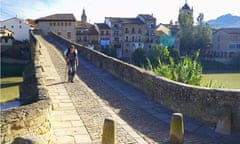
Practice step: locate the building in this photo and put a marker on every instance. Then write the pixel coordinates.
(104, 35)
(18, 27)
(226, 43)
(166, 34)
(186, 9)
(127, 34)
(6, 38)
(86, 33)
(61, 24)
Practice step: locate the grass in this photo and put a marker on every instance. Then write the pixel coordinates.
(11, 78)
(228, 80)
(10, 88)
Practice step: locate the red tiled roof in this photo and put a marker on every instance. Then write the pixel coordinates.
(57, 17)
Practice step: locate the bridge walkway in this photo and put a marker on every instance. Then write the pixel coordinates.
(96, 95)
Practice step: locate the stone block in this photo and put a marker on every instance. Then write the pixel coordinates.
(224, 120)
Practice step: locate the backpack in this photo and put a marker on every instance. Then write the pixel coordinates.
(66, 52)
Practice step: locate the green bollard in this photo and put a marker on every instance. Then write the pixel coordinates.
(177, 129)
(109, 132)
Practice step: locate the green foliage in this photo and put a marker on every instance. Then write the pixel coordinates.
(187, 70)
(138, 57)
(235, 62)
(9, 70)
(192, 37)
(202, 35)
(148, 66)
(159, 52)
(110, 51)
(186, 33)
(213, 84)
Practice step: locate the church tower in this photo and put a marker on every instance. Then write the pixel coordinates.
(84, 16)
(186, 9)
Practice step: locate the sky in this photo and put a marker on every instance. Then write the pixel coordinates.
(97, 10)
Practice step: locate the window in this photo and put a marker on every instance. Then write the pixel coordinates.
(232, 46)
(238, 46)
(69, 24)
(85, 39)
(133, 30)
(20, 27)
(132, 38)
(139, 31)
(107, 33)
(139, 38)
(12, 26)
(126, 30)
(59, 33)
(50, 24)
(126, 38)
(68, 35)
(102, 33)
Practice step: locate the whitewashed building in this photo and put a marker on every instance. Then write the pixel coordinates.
(61, 24)
(18, 27)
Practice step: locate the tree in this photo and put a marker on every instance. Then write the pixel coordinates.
(138, 57)
(203, 35)
(235, 62)
(186, 33)
(110, 51)
(193, 38)
(159, 53)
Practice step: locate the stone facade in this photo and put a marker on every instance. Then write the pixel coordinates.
(197, 102)
(18, 26)
(30, 122)
(226, 43)
(62, 24)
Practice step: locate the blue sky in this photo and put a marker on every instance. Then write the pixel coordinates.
(97, 10)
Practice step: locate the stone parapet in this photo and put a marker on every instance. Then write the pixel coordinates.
(29, 122)
(197, 102)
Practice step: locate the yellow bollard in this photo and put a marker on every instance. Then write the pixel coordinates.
(109, 132)
(177, 129)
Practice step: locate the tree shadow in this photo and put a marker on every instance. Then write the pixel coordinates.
(10, 84)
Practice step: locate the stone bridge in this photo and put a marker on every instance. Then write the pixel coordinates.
(139, 102)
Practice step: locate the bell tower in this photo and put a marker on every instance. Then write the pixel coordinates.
(84, 16)
(186, 9)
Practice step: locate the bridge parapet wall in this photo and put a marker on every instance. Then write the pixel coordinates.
(30, 122)
(197, 102)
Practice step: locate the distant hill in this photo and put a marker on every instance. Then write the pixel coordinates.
(225, 21)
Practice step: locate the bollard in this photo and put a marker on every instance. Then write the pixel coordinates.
(176, 129)
(109, 132)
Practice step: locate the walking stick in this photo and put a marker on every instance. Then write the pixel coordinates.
(66, 71)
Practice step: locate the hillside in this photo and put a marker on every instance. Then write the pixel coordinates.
(225, 21)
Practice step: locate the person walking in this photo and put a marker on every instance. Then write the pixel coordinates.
(72, 62)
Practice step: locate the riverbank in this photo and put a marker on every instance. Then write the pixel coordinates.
(229, 80)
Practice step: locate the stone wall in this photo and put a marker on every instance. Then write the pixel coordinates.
(197, 102)
(29, 122)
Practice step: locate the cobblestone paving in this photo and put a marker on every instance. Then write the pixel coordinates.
(97, 90)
